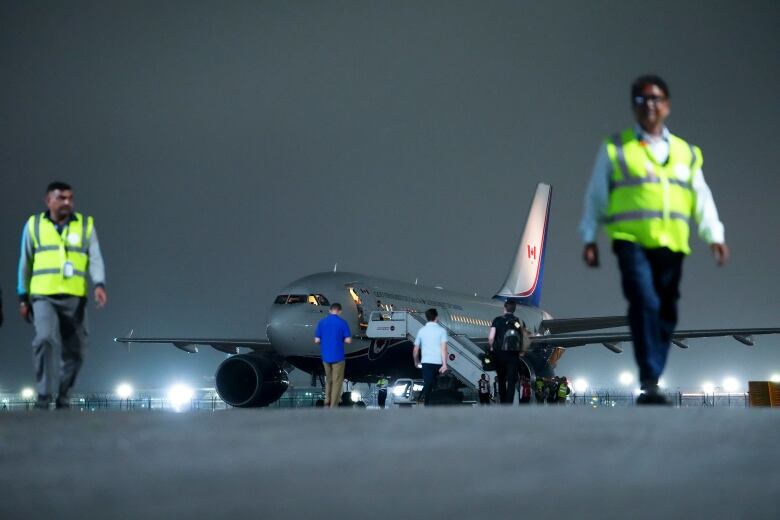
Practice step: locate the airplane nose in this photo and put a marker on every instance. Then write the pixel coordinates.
(291, 328)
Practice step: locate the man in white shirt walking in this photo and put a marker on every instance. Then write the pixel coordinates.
(432, 341)
(646, 185)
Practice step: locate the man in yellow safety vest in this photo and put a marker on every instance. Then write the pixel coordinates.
(647, 184)
(59, 247)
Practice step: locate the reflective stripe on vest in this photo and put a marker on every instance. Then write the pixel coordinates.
(53, 250)
(651, 203)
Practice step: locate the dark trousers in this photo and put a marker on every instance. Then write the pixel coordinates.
(651, 284)
(381, 397)
(484, 398)
(430, 375)
(507, 367)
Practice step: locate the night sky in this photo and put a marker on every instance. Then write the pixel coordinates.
(227, 148)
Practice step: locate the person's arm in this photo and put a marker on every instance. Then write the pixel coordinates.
(318, 333)
(347, 333)
(711, 229)
(97, 269)
(444, 353)
(491, 337)
(595, 207)
(25, 274)
(416, 351)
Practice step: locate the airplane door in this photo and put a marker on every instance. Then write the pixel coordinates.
(357, 294)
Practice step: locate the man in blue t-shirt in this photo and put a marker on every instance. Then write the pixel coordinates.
(332, 333)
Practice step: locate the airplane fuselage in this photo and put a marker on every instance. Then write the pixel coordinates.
(293, 318)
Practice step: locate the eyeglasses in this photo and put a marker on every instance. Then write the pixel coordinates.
(647, 100)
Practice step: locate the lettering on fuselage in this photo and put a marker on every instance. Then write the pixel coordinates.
(422, 301)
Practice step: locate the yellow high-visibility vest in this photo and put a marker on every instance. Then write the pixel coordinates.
(651, 203)
(60, 261)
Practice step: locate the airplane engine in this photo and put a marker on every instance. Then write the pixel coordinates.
(247, 381)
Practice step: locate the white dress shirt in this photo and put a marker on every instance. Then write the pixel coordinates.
(597, 196)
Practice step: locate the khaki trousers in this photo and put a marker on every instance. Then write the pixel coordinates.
(334, 379)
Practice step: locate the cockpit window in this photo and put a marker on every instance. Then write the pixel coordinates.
(312, 299)
(318, 299)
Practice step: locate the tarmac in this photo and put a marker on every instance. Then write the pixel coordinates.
(446, 462)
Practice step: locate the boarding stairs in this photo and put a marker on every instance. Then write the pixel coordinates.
(465, 357)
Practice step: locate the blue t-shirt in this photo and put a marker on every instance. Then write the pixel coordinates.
(332, 330)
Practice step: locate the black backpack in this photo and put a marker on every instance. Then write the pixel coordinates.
(513, 335)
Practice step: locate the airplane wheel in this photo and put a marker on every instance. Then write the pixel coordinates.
(360, 404)
(319, 403)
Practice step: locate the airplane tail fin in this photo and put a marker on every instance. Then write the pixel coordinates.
(524, 281)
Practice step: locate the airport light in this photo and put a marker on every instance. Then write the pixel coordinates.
(662, 383)
(730, 384)
(28, 393)
(180, 395)
(580, 385)
(124, 391)
(398, 390)
(355, 396)
(775, 378)
(708, 387)
(626, 378)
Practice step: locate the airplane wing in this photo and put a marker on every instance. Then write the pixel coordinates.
(612, 339)
(228, 346)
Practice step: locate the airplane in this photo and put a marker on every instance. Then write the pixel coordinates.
(260, 376)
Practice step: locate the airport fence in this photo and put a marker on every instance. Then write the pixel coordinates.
(308, 399)
(608, 398)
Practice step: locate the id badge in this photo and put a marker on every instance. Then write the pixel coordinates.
(67, 270)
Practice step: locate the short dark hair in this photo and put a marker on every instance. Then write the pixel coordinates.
(648, 79)
(510, 306)
(58, 185)
(431, 314)
(335, 306)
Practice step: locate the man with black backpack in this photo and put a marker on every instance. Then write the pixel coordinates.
(506, 340)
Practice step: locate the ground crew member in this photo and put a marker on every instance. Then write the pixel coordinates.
(59, 247)
(552, 390)
(381, 394)
(483, 389)
(646, 185)
(506, 342)
(563, 390)
(331, 335)
(431, 340)
(539, 390)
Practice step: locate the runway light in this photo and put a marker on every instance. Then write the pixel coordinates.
(580, 385)
(124, 391)
(730, 384)
(708, 387)
(355, 395)
(28, 393)
(180, 395)
(626, 378)
(775, 378)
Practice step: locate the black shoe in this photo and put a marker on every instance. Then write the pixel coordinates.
(62, 403)
(42, 403)
(652, 396)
